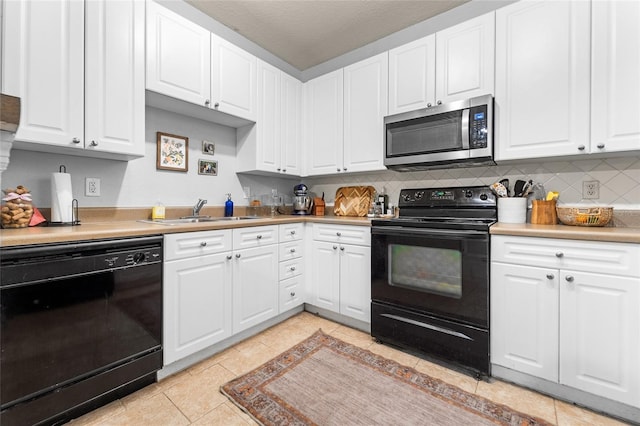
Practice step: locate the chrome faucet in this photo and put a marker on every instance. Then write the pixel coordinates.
(198, 206)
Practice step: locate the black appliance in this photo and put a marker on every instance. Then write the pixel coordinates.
(81, 326)
(456, 134)
(430, 275)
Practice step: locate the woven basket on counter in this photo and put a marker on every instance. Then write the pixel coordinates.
(585, 216)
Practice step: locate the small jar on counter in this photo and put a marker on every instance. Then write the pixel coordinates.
(17, 208)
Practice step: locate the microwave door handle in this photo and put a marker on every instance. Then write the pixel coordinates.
(465, 128)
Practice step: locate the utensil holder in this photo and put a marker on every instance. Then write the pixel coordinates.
(543, 212)
(512, 210)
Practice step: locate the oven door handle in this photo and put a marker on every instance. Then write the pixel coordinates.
(402, 230)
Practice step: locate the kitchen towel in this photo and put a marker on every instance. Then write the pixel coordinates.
(61, 198)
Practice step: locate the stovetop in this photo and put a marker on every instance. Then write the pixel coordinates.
(473, 208)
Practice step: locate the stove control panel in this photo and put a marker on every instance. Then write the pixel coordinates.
(459, 197)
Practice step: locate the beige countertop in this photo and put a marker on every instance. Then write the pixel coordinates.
(132, 228)
(592, 233)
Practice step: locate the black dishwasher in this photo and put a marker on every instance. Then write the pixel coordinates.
(81, 325)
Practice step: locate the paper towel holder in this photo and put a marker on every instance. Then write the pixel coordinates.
(75, 221)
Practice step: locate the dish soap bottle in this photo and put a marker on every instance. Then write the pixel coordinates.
(228, 207)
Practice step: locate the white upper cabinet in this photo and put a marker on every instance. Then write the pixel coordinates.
(189, 63)
(456, 63)
(344, 118)
(323, 123)
(114, 78)
(75, 103)
(542, 79)
(233, 79)
(465, 59)
(615, 86)
(365, 105)
(272, 144)
(178, 56)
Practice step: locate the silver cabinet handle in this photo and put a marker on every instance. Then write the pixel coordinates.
(229, 257)
(344, 169)
(338, 169)
(292, 250)
(338, 233)
(550, 276)
(216, 105)
(75, 140)
(429, 105)
(284, 170)
(278, 169)
(342, 248)
(237, 255)
(581, 147)
(293, 294)
(94, 143)
(569, 278)
(335, 247)
(207, 102)
(259, 237)
(439, 102)
(559, 254)
(600, 146)
(293, 268)
(293, 232)
(203, 244)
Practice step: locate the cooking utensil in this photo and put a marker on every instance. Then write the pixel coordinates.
(499, 189)
(505, 183)
(518, 188)
(526, 190)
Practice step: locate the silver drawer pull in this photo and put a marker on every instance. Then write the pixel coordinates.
(293, 294)
(342, 248)
(203, 244)
(559, 254)
(335, 247)
(229, 257)
(292, 250)
(259, 237)
(238, 256)
(293, 268)
(338, 233)
(293, 232)
(569, 278)
(550, 276)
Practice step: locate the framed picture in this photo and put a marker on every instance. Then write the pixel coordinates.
(207, 167)
(173, 152)
(208, 148)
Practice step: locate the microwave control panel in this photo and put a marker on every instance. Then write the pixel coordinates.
(478, 127)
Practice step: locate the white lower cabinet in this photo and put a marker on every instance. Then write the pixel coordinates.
(568, 312)
(291, 266)
(340, 279)
(197, 292)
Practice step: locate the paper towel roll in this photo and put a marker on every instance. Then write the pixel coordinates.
(61, 198)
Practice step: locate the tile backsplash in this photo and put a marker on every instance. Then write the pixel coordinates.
(619, 179)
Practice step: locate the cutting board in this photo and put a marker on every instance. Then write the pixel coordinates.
(353, 200)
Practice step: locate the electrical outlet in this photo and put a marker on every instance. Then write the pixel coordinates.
(92, 187)
(591, 189)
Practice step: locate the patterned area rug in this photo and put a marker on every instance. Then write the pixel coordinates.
(325, 381)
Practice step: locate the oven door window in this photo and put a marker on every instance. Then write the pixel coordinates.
(426, 269)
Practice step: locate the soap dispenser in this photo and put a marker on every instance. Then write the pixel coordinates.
(228, 207)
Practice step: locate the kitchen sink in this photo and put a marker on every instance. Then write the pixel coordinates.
(196, 219)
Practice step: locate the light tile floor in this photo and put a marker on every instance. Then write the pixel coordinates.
(192, 396)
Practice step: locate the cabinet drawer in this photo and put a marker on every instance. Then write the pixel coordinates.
(291, 268)
(291, 232)
(255, 236)
(190, 244)
(360, 235)
(292, 250)
(291, 293)
(587, 256)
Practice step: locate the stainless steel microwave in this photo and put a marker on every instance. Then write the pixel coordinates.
(457, 134)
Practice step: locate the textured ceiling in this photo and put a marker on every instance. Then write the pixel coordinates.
(306, 33)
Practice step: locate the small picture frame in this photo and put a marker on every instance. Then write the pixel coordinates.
(208, 148)
(173, 152)
(208, 167)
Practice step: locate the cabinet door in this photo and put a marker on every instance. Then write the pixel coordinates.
(197, 304)
(615, 99)
(291, 293)
(542, 79)
(43, 64)
(323, 124)
(465, 59)
(412, 75)
(291, 125)
(355, 282)
(178, 56)
(233, 79)
(255, 286)
(325, 276)
(600, 335)
(115, 69)
(269, 113)
(524, 319)
(365, 105)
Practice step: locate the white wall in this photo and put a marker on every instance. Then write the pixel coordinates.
(138, 183)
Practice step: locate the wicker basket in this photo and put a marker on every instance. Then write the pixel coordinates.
(585, 216)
